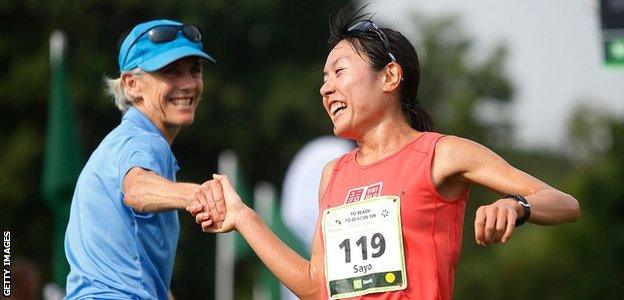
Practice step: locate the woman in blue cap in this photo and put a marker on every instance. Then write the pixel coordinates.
(123, 228)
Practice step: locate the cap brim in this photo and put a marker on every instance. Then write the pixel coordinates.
(156, 63)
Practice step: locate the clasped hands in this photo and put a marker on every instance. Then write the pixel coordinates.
(216, 205)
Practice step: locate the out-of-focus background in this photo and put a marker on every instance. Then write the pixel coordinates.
(540, 82)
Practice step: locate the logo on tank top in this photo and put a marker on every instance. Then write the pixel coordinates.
(363, 192)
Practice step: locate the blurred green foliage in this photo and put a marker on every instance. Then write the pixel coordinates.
(261, 100)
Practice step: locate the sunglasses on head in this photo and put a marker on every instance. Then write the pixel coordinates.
(167, 33)
(368, 25)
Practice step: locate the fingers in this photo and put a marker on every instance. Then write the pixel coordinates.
(209, 227)
(208, 206)
(480, 226)
(501, 225)
(490, 224)
(225, 182)
(200, 210)
(209, 203)
(511, 224)
(217, 205)
(494, 223)
(202, 218)
(219, 200)
(194, 207)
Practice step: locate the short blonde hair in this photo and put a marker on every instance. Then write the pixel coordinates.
(114, 87)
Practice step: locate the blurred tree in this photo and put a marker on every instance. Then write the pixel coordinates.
(590, 257)
(579, 261)
(455, 87)
(589, 133)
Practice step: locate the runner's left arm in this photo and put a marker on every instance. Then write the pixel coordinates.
(473, 163)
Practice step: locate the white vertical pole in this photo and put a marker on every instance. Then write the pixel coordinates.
(225, 252)
(57, 45)
(264, 199)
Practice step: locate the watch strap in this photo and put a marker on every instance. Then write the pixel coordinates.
(525, 205)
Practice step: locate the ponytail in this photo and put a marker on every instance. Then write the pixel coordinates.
(418, 117)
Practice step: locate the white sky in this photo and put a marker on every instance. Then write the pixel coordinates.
(555, 56)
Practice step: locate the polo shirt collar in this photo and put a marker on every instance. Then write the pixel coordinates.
(136, 116)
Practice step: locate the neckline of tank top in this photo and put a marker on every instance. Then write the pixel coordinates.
(389, 156)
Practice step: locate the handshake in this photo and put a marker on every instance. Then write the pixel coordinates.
(216, 206)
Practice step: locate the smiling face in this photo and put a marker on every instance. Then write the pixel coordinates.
(170, 95)
(352, 92)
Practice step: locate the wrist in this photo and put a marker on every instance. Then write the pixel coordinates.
(516, 206)
(522, 206)
(187, 191)
(244, 216)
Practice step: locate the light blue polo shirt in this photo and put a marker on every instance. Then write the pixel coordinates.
(115, 252)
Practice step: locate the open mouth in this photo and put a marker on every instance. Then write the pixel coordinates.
(337, 107)
(182, 102)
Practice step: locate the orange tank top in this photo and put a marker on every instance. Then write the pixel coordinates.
(431, 224)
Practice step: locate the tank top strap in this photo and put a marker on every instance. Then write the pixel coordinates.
(344, 159)
(427, 143)
(425, 147)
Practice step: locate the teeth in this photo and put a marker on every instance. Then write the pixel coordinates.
(337, 106)
(182, 101)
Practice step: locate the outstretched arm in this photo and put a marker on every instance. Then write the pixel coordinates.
(146, 192)
(302, 277)
(463, 161)
(298, 274)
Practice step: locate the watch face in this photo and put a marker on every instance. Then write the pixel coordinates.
(521, 200)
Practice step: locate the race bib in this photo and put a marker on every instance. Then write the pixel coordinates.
(364, 247)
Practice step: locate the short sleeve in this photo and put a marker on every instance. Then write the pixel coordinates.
(147, 152)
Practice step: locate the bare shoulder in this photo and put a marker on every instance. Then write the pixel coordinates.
(455, 155)
(450, 144)
(455, 146)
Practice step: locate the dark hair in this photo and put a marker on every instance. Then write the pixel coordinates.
(370, 43)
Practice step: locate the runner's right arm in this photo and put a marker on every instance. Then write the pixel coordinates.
(304, 278)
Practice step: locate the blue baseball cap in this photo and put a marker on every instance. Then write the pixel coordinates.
(137, 50)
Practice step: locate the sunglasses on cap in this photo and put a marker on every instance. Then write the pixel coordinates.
(368, 25)
(167, 33)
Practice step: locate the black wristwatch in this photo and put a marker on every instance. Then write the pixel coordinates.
(525, 204)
